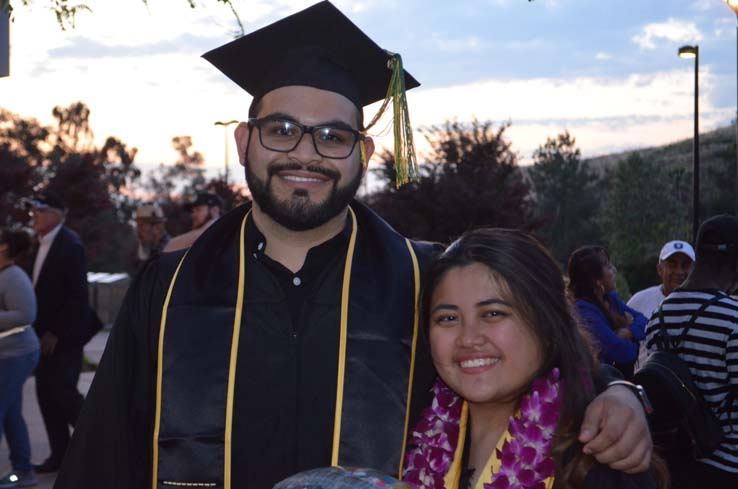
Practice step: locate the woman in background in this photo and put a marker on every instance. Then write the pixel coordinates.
(19, 351)
(616, 327)
(516, 374)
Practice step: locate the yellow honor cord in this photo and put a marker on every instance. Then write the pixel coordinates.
(234, 355)
(342, 341)
(159, 376)
(453, 476)
(413, 349)
(231, 371)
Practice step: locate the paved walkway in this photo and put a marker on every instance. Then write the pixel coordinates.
(39, 442)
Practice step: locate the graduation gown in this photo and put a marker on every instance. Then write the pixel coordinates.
(284, 387)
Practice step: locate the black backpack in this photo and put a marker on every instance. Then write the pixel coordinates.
(681, 420)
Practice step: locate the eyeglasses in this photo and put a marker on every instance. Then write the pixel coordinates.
(284, 136)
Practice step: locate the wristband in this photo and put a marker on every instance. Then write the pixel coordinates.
(638, 390)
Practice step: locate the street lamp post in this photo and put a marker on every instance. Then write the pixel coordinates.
(225, 125)
(694, 52)
(733, 4)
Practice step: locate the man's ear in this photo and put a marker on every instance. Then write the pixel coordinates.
(242, 134)
(368, 148)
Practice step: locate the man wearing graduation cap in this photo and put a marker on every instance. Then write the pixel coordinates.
(285, 338)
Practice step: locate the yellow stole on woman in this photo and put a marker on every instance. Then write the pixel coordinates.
(451, 480)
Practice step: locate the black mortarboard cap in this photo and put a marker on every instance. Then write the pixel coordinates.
(317, 47)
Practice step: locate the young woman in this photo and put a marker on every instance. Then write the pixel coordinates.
(516, 374)
(19, 351)
(616, 327)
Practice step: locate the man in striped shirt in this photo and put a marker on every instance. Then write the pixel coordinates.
(710, 348)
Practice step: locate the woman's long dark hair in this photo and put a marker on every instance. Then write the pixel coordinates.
(585, 268)
(538, 293)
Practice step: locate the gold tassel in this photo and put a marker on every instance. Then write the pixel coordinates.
(362, 150)
(406, 167)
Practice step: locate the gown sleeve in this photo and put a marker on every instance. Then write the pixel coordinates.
(111, 446)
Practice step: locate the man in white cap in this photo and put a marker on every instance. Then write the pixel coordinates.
(675, 262)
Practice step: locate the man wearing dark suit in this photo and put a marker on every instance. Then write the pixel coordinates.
(60, 280)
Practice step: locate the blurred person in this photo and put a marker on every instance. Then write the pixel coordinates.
(616, 327)
(205, 210)
(675, 262)
(152, 235)
(19, 352)
(710, 349)
(515, 374)
(60, 280)
(284, 338)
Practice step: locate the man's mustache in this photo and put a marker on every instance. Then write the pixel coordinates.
(275, 168)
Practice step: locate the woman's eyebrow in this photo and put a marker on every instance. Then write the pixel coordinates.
(444, 306)
(492, 301)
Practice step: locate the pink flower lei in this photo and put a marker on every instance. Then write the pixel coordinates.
(525, 459)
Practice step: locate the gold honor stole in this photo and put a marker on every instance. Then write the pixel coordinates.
(237, 319)
(453, 476)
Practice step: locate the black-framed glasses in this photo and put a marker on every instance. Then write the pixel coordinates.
(329, 141)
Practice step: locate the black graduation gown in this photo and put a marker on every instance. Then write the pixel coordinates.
(285, 383)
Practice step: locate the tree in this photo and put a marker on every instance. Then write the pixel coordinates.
(64, 159)
(567, 196)
(185, 177)
(67, 11)
(640, 215)
(471, 179)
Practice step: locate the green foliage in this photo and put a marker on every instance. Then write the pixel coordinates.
(567, 196)
(643, 211)
(66, 12)
(471, 179)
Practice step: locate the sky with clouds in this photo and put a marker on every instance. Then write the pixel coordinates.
(605, 70)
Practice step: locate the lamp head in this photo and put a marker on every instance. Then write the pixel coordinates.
(690, 51)
(226, 123)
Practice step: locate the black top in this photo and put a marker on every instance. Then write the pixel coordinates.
(303, 283)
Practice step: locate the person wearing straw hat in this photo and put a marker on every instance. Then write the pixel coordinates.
(285, 338)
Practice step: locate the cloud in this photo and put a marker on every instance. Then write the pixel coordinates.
(672, 30)
(637, 110)
(602, 56)
(82, 48)
(464, 45)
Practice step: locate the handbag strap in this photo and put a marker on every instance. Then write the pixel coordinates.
(665, 341)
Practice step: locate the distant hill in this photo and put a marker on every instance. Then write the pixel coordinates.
(716, 147)
(718, 181)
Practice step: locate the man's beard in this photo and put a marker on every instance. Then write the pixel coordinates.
(297, 213)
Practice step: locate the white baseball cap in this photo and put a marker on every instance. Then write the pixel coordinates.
(676, 247)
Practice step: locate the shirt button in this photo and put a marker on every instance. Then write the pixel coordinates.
(260, 246)
(296, 281)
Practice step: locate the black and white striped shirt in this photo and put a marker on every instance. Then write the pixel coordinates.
(710, 349)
